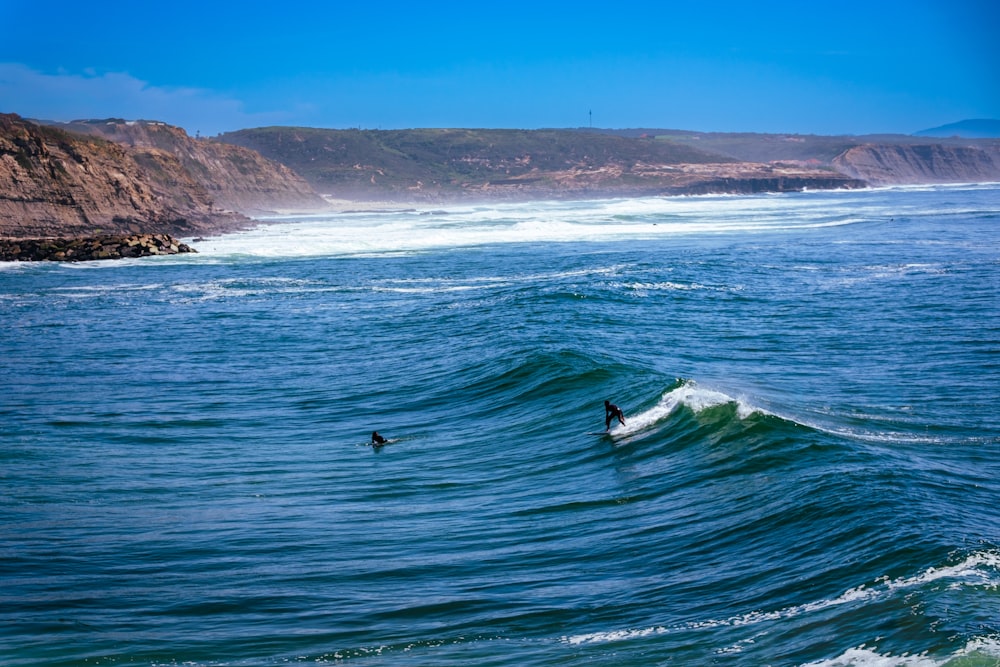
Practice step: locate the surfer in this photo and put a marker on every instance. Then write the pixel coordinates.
(610, 412)
(377, 440)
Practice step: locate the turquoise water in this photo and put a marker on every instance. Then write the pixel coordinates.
(808, 474)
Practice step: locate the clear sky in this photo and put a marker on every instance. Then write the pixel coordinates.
(805, 67)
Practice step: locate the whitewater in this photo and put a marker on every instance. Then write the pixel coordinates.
(807, 475)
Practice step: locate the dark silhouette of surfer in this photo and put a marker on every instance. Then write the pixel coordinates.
(610, 412)
(377, 440)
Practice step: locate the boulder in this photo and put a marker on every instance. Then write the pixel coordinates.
(91, 248)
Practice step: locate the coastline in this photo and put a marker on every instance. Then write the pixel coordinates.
(93, 178)
(97, 246)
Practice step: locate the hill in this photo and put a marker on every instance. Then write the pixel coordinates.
(884, 159)
(814, 149)
(435, 164)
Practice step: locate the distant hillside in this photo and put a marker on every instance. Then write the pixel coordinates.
(812, 149)
(883, 159)
(444, 163)
(980, 128)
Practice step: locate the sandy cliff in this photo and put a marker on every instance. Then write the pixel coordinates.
(54, 183)
(116, 177)
(234, 177)
(880, 164)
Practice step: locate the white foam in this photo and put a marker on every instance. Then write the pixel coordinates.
(420, 285)
(695, 397)
(874, 437)
(863, 656)
(981, 569)
(416, 230)
(866, 657)
(671, 286)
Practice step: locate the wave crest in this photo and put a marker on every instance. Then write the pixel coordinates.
(690, 394)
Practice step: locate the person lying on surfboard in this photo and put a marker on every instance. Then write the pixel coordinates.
(610, 412)
(377, 439)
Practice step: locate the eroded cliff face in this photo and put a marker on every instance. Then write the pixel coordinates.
(53, 183)
(879, 164)
(120, 178)
(235, 178)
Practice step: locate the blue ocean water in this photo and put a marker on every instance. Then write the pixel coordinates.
(808, 473)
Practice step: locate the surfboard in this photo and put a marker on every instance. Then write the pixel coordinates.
(599, 433)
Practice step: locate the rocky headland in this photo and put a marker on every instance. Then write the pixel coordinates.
(55, 182)
(880, 164)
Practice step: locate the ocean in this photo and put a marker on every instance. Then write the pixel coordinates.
(808, 473)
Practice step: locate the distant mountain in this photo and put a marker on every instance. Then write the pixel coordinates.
(979, 128)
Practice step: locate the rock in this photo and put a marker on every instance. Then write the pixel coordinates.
(85, 249)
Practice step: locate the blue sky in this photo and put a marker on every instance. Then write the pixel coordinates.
(799, 67)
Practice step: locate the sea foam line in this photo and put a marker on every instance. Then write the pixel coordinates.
(365, 234)
(699, 399)
(978, 569)
(863, 656)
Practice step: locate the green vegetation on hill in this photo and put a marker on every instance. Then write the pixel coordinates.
(767, 147)
(442, 160)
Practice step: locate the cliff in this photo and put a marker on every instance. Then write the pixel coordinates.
(443, 164)
(54, 183)
(234, 178)
(880, 164)
(113, 177)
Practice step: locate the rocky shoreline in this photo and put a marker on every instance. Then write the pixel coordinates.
(90, 248)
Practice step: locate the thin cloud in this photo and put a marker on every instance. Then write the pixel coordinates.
(66, 96)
